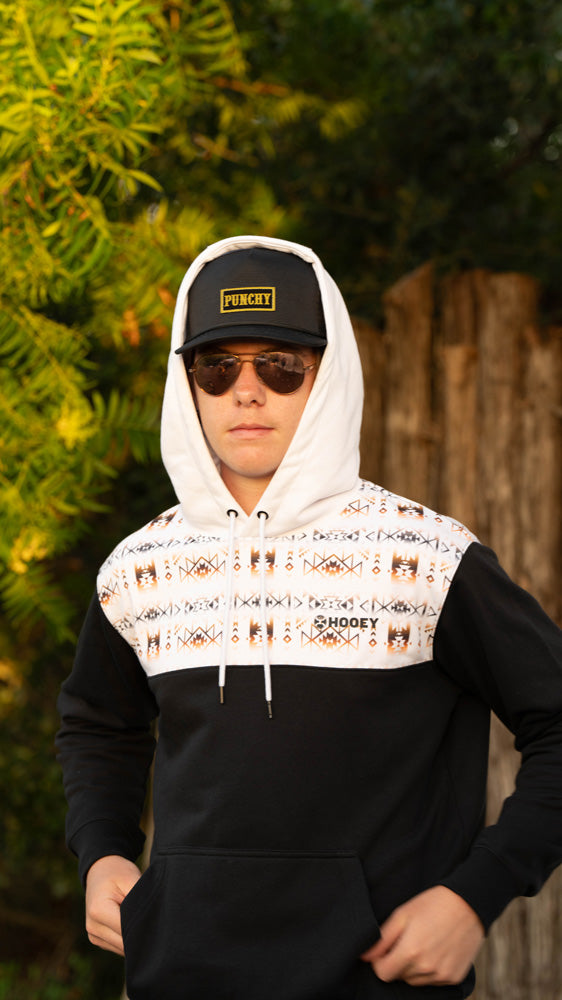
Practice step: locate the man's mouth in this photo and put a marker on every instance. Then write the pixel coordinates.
(250, 430)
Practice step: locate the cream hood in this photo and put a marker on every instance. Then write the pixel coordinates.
(322, 461)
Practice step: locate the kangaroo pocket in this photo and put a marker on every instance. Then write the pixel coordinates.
(401, 991)
(243, 925)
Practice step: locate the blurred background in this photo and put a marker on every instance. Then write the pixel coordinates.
(417, 147)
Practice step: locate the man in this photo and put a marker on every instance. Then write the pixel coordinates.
(322, 657)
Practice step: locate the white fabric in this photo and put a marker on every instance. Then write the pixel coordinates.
(322, 461)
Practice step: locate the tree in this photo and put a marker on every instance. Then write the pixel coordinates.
(130, 136)
(91, 252)
(458, 154)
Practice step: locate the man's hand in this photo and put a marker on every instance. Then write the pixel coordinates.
(107, 883)
(432, 939)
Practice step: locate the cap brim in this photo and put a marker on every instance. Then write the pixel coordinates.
(253, 332)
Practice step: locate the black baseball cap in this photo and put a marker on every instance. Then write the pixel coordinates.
(259, 294)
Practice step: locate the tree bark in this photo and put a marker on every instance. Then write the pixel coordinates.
(371, 349)
(407, 386)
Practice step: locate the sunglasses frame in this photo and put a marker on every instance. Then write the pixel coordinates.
(250, 359)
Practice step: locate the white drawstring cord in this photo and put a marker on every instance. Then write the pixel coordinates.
(262, 518)
(232, 515)
(228, 601)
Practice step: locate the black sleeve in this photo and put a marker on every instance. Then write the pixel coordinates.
(494, 640)
(105, 743)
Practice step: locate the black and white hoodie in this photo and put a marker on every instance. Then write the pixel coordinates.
(381, 634)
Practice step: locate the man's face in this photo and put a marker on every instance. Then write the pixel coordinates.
(250, 427)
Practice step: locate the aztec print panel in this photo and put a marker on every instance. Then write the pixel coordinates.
(364, 591)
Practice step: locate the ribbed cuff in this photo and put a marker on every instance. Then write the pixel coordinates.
(484, 883)
(101, 838)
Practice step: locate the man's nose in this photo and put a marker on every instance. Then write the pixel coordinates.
(248, 388)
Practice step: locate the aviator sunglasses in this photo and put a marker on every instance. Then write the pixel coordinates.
(281, 371)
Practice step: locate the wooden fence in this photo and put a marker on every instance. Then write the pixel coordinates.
(463, 412)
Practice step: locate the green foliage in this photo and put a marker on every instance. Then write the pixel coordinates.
(86, 90)
(31, 982)
(32, 794)
(458, 155)
(91, 100)
(60, 444)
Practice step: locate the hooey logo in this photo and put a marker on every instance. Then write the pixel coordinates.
(322, 622)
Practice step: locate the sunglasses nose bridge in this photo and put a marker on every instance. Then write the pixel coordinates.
(245, 381)
(247, 360)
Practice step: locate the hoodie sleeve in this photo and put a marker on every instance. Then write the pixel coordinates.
(494, 640)
(105, 743)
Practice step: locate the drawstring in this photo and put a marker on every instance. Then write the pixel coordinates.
(262, 518)
(228, 602)
(232, 515)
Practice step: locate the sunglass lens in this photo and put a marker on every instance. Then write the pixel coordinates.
(281, 371)
(216, 373)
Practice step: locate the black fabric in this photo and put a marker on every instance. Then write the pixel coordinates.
(494, 639)
(247, 925)
(345, 764)
(383, 770)
(105, 744)
(201, 924)
(255, 294)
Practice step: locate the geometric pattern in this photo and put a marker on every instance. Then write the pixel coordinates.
(364, 590)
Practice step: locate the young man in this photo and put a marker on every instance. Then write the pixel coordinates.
(322, 657)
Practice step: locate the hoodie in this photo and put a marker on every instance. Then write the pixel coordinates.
(322, 670)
